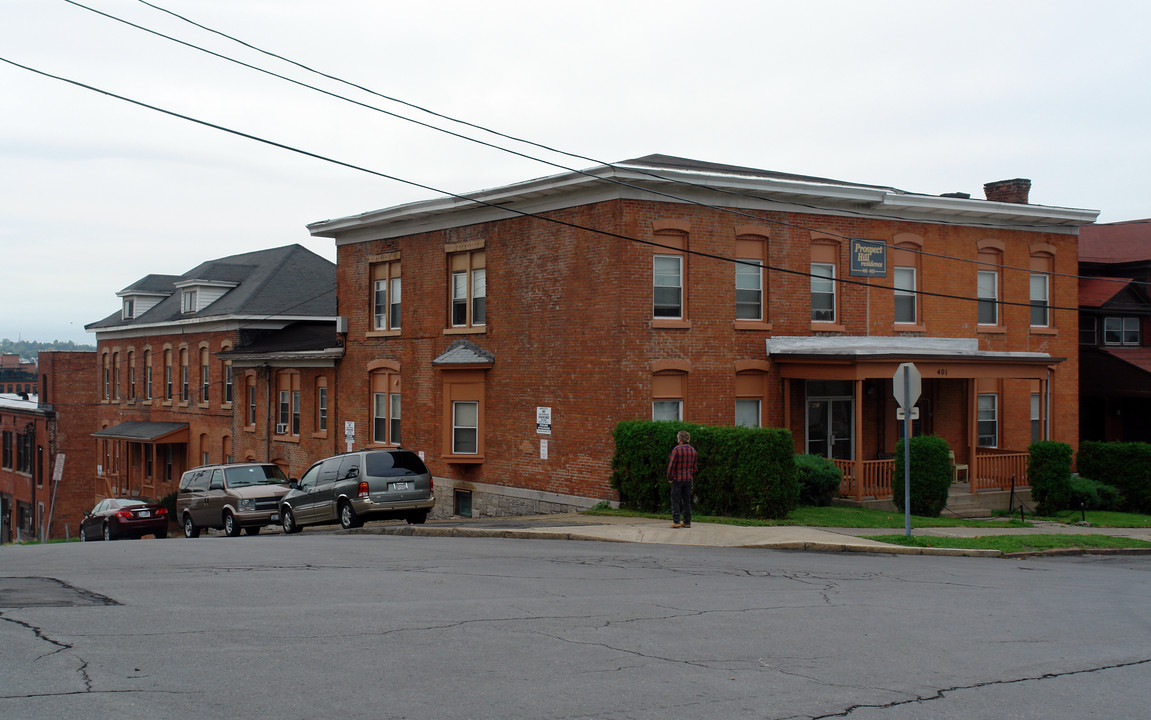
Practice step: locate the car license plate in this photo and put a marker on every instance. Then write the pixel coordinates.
(144, 513)
(402, 486)
(275, 517)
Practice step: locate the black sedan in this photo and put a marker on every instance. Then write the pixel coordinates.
(115, 518)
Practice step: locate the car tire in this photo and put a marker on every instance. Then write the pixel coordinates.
(83, 535)
(108, 536)
(418, 518)
(348, 517)
(190, 529)
(231, 527)
(254, 530)
(288, 521)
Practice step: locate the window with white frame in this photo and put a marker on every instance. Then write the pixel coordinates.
(1040, 315)
(667, 286)
(465, 427)
(748, 289)
(822, 292)
(903, 279)
(386, 404)
(322, 407)
(987, 290)
(987, 420)
(747, 412)
(185, 389)
(188, 301)
(386, 288)
(205, 384)
(1121, 331)
(667, 410)
(469, 289)
(129, 311)
(228, 382)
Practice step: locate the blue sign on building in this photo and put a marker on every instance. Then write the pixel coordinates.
(868, 258)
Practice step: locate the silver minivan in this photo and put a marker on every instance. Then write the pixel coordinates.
(233, 497)
(358, 486)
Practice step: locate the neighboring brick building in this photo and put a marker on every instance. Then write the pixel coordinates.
(1114, 352)
(169, 396)
(37, 433)
(518, 342)
(17, 375)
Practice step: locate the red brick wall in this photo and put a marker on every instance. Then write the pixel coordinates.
(569, 323)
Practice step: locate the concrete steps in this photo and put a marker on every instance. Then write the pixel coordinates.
(961, 503)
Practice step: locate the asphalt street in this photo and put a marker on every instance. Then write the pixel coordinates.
(329, 624)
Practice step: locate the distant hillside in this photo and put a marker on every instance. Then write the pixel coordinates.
(30, 350)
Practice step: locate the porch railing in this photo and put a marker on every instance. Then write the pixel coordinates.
(992, 470)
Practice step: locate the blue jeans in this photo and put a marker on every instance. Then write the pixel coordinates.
(681, 502)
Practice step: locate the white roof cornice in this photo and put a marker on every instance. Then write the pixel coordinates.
(743, 191)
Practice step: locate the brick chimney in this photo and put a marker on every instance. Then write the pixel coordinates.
(1009, 191)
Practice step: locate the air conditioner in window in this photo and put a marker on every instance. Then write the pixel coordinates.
(281, 428)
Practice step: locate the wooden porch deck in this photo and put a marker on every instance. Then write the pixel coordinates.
(992, 470)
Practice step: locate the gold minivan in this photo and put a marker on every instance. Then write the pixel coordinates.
(233, 497)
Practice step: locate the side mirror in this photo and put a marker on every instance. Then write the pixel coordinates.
(294, 484)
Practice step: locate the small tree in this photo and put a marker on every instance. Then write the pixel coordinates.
(931, 475)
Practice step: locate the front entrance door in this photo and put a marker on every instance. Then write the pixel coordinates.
(829, 427)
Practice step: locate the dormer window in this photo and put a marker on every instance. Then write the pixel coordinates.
(188, 301)
(129, 311)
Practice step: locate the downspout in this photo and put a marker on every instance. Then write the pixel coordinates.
(268, 418)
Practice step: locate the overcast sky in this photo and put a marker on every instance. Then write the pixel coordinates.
(929, 97)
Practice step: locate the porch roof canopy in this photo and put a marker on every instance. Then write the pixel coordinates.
(146, 432)
(858, 358)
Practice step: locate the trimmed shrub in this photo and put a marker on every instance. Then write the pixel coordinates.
(742, 472)
(931, 475)
(819, 480)
(1090, 494)
(1124, 465)
(1049, 474)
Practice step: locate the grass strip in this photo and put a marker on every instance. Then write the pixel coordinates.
(1015, 543)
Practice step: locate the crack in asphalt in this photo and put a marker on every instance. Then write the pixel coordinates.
(82, 670)
(942, 692)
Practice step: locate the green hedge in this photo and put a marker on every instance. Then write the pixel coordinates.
(1088, 494)
(819, 480)
(931, 475)
(1049, 474)
(742, 472)
(1125, 465)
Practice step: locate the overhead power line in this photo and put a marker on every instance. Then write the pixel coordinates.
(504, 208)
(598, 178)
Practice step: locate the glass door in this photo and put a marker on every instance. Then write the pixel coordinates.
(830, 423)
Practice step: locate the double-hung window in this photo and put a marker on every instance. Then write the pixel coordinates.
(987, 292)
(987, 420)
(386, 296)
(822, 292)
(469, 289)
(1040, 310)
(748, 289)
(386, 403)
(667, 286)
(904, 283)
(465, 427)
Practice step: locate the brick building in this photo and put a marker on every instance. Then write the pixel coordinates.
(169, 393)
(44, 436)
(1114, 312)
(530, 324)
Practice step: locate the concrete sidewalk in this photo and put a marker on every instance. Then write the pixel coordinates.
(576, 526)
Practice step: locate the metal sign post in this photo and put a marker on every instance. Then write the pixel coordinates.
(907, 383)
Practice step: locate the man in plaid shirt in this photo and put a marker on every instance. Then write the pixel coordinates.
(680, 473)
